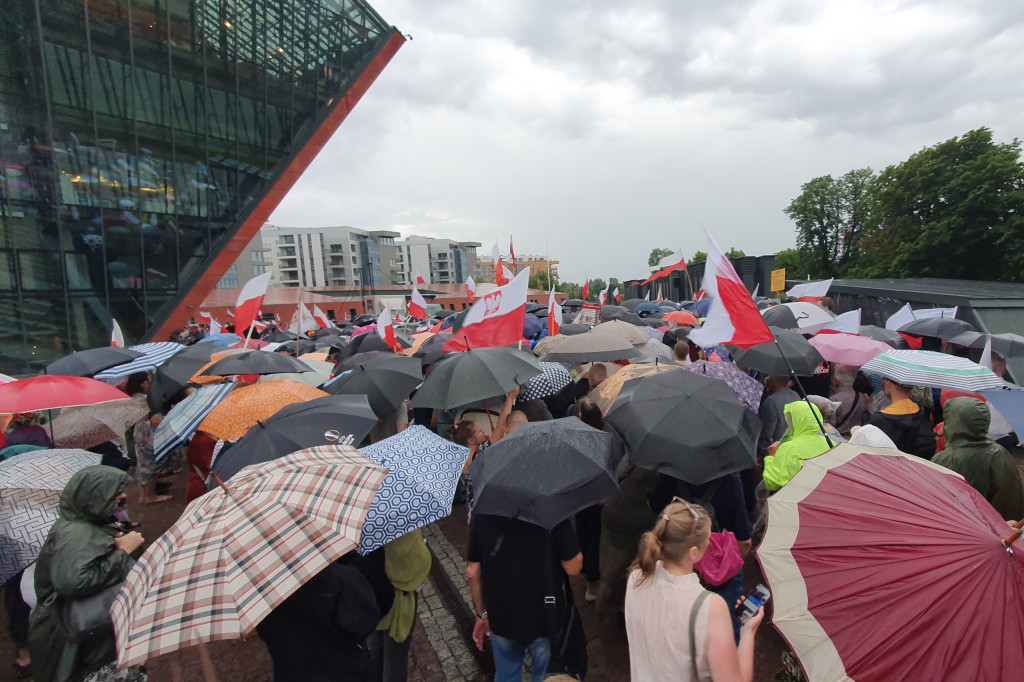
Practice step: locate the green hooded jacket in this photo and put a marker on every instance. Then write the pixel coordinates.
(986, 465)
(79, 558)
(803, 440)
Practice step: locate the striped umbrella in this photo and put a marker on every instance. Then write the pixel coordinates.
(237, 552)
(934, 370)
(181, 422)
(153, 355)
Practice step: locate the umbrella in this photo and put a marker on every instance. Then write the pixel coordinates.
(432, 350)
(531, 326)
(280, 336)
(937, 327)
(331, 420)
(371, 341)
(326, 332)
(1006, 345)
(88, 426)
(847, 348)
(303, 346)
(172, 376)
(255, 362)
(224, 339)
(918, 547)
(886, 336)
(766, 358)
(423, 470)
(330, 342)
(779, 316)
(474, 375)
(181, 422)
(351, 363)
(608, 390)
(153, 355)
(591, 347)
(1009, 402)
(30, 487)
(318, 356)
(806, 314)
(551, 381)
(574, 303)
(686, 425)
(233, 416)
(654, 348)
(545, 345)
(701, 307)
(746, 388)
(88, 362)
(928, 368)
(385, 381)
(623, 330)
(234, 555)
(573, 329)
(631, 318)
(608, 310)
(544, 472)
(681, 317)
(49, 392)
(646, 307)
(632, 303)
(318, 373)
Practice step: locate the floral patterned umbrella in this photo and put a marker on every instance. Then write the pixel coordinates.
(746, 388)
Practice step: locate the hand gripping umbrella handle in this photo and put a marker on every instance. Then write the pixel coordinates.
(1016, 534)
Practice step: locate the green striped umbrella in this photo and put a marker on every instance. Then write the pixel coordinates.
(935, 370)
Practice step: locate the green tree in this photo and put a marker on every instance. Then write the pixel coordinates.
(794, 262)
(596, 284)
(657, 255)
(734, 253)
(542, 280)
(698, 257)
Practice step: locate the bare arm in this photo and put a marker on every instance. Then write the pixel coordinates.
(501, 428)
(728, 661)
(482, 627)
(574, 565)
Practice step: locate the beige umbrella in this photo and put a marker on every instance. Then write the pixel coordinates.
(592, 347)
(547, 344)
(623, 330)
(85, 427)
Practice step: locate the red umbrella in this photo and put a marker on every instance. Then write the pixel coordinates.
(884, 566)
(681, 317)
(51, 391)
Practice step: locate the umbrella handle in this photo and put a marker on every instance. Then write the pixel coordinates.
(216, 479)
(1015, 535)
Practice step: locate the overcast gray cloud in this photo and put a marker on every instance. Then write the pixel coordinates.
(597, 131)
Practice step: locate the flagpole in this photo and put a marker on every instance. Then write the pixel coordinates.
(803, 393)
(300, 324)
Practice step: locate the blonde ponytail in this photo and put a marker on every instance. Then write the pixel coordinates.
(681, 526)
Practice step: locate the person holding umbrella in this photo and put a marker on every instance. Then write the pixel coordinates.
(803, 440)
(904, 421)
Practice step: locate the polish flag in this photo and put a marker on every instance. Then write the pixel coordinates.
(811, 291)
(259, 326)
(215, 327)
(417, 306)
(419, 279)
(302, 321)
(205, 315)
(618, 299)
(495, 319)
(232, 315)
(499, 267)
(554, 314)
(116, 337)
(508, 273)
(602, 297)
(675, 262)
(586, 289)
(385, 329)
(470, 287)
(733, 317)
(250, 300)
(511, 252)
(321, 318)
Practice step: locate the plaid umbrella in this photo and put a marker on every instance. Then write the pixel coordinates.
(153, 355)
(235, 554)
(181, 422)
(423, 470)
(247, 405)
(746, 388)
(30, 487)
(552, 379)
(935, 370)
(87, 426)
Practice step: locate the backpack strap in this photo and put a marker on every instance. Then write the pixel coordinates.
(704, 594)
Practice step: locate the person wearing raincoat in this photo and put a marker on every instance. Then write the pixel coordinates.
(986, 465)
(803, 440)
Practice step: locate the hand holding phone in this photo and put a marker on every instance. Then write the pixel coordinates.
(753, 601)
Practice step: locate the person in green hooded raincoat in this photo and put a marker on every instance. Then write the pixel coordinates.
(986, 465)
(803, 440)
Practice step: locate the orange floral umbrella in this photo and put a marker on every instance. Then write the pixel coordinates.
(247, 405)
(606, 393)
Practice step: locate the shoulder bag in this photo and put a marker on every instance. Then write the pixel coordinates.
(569, 642)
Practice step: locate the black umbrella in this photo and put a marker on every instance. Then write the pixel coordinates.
(430, 351)
(297, 347)
(473, 375)
(355, 360)
(766, 358)
(363, 320)
(85, 363)
(385, 381)
(763, 303)
(687, 425)
(531, 306)
(174, 374)
(326, 332)
(573, 329)
(279, 336)
(608, 311)
(331, 342)
(780, 316)
(884, 335)
(1006, 345)
(371, 341)
(443, 313)
(574, 303)
(937, 327)
(631, 303)
(544, 472)
(632, 318)
(329, 420)
(256, 362)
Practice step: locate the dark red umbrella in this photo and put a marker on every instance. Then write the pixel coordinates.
(884, 566)
(49, 392)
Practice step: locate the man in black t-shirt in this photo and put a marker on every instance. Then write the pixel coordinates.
(506, 579)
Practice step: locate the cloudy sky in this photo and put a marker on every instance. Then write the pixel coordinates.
(598, 130)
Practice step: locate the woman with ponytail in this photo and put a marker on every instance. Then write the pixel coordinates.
(665, 600)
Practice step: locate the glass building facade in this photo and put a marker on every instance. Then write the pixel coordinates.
(136, 136)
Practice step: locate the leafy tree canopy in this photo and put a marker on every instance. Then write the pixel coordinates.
(657, 255)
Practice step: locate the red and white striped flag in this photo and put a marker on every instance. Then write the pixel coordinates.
(116, 337)
(386, 329)
(554, 314)
(495, 319)
(321, 318)
(470, 287)
(250, 301)
(618, 298)
(417, 306)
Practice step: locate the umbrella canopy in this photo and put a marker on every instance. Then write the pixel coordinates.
(432, 350)
(746, 388)
(935, 370)
(172, 376)
(1006, 345)
(153, 355)
(623, 330)
(918, 547)
(608, 390)
(326, 332)
(372, 341)
(574, 303)
(937, 327)
(646, 307)
(88, 426)
(779, 316)
(808, 314)
(531, 325)
(318, 373)
(234, 415)
(233, 556)
(385, 381)
(88, 362)
(686, 425)
(573, 329)
(256, 362)
(181, 422)
(886, 336)
(423, 471)
(303, 345)
(654, 348)
(592, 347)
(351, 363)
(331, 420)
(474, 375)
(630, 318)
(223, 339)
(847, 348)
(632, 303)
(330, 342)
(544, 472)
(1009, 402)
(607, 311)
(49, 392)
(551, 381)
(680, 317)
(765, 357)
(545, 345)
(30, 487)
(280, 336)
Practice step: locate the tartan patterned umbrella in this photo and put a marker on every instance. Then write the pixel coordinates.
(934, 370)
(234, 556)
(247, 405)
(181, 422)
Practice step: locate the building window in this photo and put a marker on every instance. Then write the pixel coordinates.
(259, 269)
(286, 239)
(257, 257)
(352, 248)
(355, 260)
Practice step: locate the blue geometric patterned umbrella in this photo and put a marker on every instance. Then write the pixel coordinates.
(153, 355)
(423, 472)
(181, 422)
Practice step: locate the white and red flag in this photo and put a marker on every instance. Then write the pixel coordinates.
(215, 327)
(386, 329)
(647, 296)
(508, 273)
(250, 300)
(511, 253)
(586, 288)
(321, 318)
(116, 337)
(618, 298)
(495, 319)
(499, 267)
(419, 279)
(810, 292)
(602, 297)
(733, 317)
(554, 314)
(470, 287)
(417, 306)
(302, 321)
(231, 314)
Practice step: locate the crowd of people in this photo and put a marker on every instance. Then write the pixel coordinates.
(664, 559)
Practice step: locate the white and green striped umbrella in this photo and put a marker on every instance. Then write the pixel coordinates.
(935, 370)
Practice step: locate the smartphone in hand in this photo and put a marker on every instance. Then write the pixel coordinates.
(749, 606)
